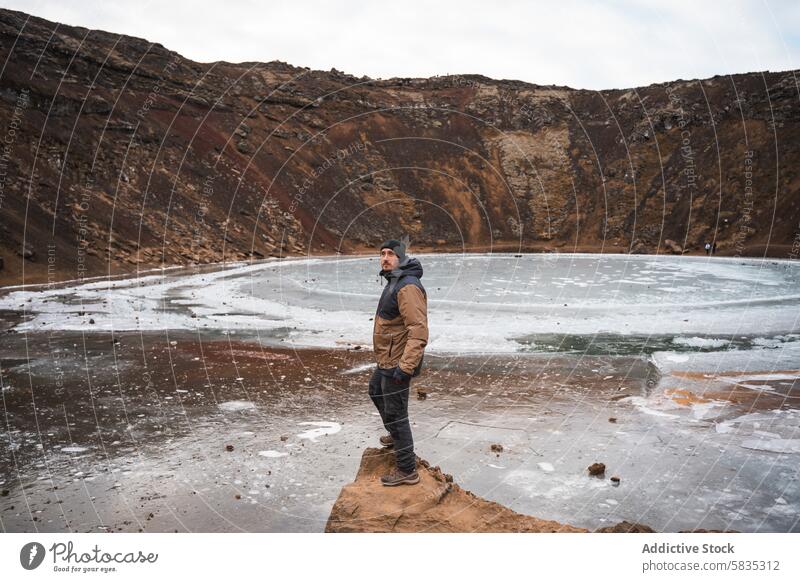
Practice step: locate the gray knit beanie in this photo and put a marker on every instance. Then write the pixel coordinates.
(397, 247)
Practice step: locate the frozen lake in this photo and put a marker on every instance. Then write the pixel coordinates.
(681, 374)
(500, 303)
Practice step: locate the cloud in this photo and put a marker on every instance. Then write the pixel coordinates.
(582, 44)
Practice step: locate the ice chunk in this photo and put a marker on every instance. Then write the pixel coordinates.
(773, 445)
(358, 369)
(702, 410)
(723, 427)
(236, 405)
(325, 428)
(272, 454)
(700, 342)
(642, 405)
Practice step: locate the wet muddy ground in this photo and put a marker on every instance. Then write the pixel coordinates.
(185, 431)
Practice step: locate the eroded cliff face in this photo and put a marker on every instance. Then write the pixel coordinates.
(120, 154)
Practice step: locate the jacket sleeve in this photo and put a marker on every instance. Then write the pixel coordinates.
(414, 308)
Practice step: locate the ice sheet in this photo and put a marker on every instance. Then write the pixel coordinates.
(477, 302)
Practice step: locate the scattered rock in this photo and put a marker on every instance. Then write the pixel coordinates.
(27, 252)
(496, 448)
(597, 469)
(421, 394)
(612, 419)
(244, 148)
(229, 448)
(284, 437)
(615, 480)
(4, 493)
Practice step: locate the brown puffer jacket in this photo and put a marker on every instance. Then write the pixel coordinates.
(400, 333)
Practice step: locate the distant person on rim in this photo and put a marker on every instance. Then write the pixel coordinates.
(399, 337)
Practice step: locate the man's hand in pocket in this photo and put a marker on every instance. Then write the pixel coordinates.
(400, 377)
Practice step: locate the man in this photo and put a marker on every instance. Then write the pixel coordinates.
(399, 337)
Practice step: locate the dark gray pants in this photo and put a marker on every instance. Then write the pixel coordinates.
(391, 400)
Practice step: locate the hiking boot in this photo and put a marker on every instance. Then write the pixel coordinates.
(387, 441)
(397, 477)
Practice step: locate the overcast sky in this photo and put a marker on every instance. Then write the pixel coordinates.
(580, 43)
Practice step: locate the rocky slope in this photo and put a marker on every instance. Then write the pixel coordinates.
(119, 155)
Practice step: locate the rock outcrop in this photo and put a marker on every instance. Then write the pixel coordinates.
(435, 504)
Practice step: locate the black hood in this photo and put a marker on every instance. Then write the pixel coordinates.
(409, 266)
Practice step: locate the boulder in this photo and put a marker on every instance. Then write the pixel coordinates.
(638, 247)
(673, 247)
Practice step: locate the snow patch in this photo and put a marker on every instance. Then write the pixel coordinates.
(325, 428)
